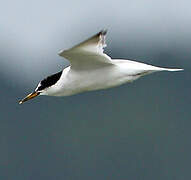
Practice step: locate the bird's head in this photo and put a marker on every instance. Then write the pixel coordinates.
(43, 87)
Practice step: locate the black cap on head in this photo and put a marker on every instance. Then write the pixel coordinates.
(49, 81)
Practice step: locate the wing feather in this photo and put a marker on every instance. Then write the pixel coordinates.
(89, 53)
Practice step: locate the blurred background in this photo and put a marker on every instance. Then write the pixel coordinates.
(138, 131)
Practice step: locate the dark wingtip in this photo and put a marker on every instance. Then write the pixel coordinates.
(103, 32)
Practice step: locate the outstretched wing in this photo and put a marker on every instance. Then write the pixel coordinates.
(88, 54)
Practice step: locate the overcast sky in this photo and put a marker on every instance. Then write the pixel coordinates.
(32, 32)
(138, 131)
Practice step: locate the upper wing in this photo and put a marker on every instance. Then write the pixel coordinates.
(88, 54)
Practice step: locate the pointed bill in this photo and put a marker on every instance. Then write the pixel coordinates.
(28, 97)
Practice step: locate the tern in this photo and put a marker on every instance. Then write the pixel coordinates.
(91, 69)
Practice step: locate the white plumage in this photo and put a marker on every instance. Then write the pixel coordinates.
(91, 69)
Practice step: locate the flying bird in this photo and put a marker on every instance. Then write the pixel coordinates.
(91, 69)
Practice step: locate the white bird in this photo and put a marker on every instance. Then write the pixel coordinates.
(91, 69)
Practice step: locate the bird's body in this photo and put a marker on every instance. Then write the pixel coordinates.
(111, 75)
(91, 69)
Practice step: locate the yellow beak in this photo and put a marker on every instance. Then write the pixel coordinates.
(30, 96)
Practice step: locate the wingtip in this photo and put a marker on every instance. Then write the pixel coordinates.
(103, 32)
(60, 53)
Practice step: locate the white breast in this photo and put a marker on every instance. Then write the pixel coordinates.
(116, 73)
(73, 82)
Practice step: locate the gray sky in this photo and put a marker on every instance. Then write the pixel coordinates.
(138, 131)
(32, 32)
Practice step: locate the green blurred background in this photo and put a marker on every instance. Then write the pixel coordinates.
(138, 131)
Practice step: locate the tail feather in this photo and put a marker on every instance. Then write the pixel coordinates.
(169, 69)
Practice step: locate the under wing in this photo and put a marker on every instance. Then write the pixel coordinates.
(88, 54)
